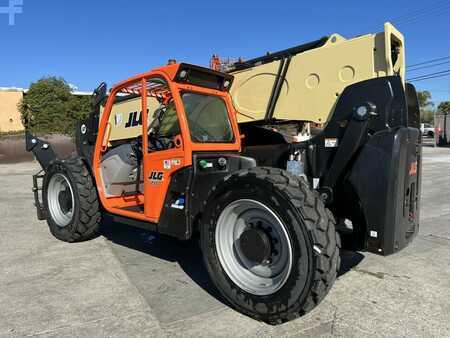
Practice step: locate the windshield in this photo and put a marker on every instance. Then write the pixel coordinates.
(207, 117)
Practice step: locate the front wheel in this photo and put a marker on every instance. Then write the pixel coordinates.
(269, 244)
(71, 201)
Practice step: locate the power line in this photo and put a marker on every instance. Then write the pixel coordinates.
(428, 66)
(419, 17)
(418, 10)
(431, 74)
(437, 8)
(428, 77)
(427, 62)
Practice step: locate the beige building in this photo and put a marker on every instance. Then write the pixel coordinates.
(9, 113)
(10, 119)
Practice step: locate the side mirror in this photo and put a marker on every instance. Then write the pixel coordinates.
(99, 94)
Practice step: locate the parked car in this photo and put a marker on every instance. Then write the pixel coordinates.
(427, 129)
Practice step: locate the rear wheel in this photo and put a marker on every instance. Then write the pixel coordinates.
(71, 201)
(269, 244)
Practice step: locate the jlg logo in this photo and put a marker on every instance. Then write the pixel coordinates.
(134, 119)
(156, 176)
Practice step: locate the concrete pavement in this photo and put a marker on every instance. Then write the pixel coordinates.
(129, 282)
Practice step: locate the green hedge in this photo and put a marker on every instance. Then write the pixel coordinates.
(50, 107)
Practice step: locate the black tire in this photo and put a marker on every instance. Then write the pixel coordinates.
(430, 134)
(310, 226)
(85, 221)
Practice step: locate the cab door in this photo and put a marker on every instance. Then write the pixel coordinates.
(165, 152)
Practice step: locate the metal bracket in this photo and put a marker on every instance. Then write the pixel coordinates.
(42, 150)
(41, 214)
(350, 143)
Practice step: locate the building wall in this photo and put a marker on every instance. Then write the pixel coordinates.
(9, 114)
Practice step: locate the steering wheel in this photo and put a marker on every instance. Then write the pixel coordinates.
(159, 142)
(154, 144)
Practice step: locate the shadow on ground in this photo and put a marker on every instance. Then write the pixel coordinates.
(186, 254)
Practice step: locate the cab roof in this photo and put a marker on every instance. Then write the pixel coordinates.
(191, 74)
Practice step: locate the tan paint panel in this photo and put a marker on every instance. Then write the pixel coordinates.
(120, 114)
(251, 90)
(316, 78)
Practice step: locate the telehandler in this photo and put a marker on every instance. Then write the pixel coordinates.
(265, 161)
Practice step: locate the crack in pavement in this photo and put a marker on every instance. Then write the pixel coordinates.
(439, 237)
(83, 323)
(379, 275)
(333, 321)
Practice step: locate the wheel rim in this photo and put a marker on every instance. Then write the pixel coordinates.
(254, 277)
(60, 200)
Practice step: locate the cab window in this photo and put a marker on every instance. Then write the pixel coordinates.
(169, 126)
(207, 117)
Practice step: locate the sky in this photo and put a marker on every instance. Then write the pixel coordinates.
(87, 42)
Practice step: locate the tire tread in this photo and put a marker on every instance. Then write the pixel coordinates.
(320, 225)
(86, 225)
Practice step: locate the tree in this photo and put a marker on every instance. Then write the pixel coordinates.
(50, 107)
(424, 98)
(444, 107)
(427, 116)
(425, 106)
